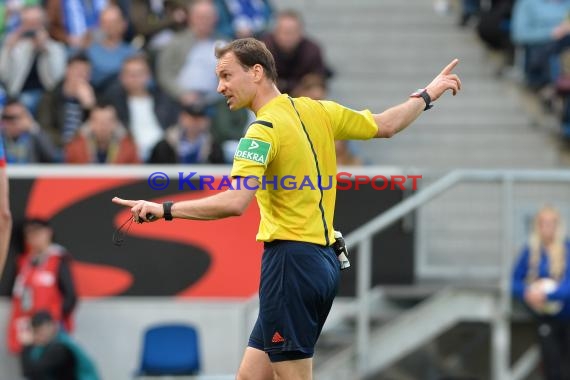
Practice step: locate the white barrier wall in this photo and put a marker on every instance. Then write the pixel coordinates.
(111, 332)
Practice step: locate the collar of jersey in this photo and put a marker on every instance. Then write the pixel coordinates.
(278, 98)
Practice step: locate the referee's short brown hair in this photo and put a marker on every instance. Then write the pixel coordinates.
(251, 52)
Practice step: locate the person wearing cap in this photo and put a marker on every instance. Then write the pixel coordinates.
(49, 353)
(43, 282)
(189, 141)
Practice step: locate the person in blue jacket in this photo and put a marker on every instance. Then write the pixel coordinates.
(541, 280)
(537, 26)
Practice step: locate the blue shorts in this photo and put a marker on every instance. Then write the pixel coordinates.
(298, 284)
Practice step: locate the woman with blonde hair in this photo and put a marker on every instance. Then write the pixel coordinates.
(541, 280)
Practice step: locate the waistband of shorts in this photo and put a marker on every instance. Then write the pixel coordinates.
(274, 243)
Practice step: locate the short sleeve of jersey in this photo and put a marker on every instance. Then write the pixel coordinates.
(349, 124)
(255, 151)
(2, 154)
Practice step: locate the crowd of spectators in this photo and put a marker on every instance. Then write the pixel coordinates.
(534, 37)
(126, 82)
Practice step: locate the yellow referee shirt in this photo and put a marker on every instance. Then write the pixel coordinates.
(290, 149)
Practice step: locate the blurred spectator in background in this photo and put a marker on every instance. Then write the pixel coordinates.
(537, 25)
(30, 61)
(295, 55)
(227, 127)
(469, 9)
(64, 109)
(494, 29)
(25, 142)
(189, 141)
(186, 66)
(43, 357)
(109, 51)
(186, 71)
(345, 155)
(156, 21)
(50, 353)
(312, 86)
(44, 282)
(243, 18)
(563, 86)
(10, 12)
(73, 22)
(102, 140)
(141, 106)
(541, 280)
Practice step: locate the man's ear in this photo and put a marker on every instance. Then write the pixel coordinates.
(258, 72)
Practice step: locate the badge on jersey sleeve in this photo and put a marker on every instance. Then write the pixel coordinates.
(253, 150)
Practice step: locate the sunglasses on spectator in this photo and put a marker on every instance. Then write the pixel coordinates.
(10, 116)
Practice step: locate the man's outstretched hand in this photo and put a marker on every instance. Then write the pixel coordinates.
(446, 80)
(141, 209)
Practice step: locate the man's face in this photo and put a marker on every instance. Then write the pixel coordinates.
(32, 19)
(44, 333)
(203, 19)
(112, 23)
(194, 124)
(135, 76)
(38, 237)
(288, 33)
(236, 83)
(78, 70)
(14, 120)
(103, 122)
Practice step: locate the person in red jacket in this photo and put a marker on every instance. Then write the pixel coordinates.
(44, 282)
(103, 139)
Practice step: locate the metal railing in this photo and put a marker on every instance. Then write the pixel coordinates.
(361, 239)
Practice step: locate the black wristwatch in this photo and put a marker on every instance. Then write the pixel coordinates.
(422, 93)
(167, 208)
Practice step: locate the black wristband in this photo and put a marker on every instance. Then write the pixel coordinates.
(167, 208)
(422, 93)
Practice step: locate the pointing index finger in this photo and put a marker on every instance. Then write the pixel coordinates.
(124, 202)
(449, 68)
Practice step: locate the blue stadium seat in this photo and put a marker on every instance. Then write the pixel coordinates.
(169, 350)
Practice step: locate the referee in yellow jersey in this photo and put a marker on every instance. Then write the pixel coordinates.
(295, 138)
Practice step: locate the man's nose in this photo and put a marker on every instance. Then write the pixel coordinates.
(221, 88)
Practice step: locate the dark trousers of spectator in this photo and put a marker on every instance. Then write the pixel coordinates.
(539, 64)
(563, 81)
(554, 339)
(471, 7)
